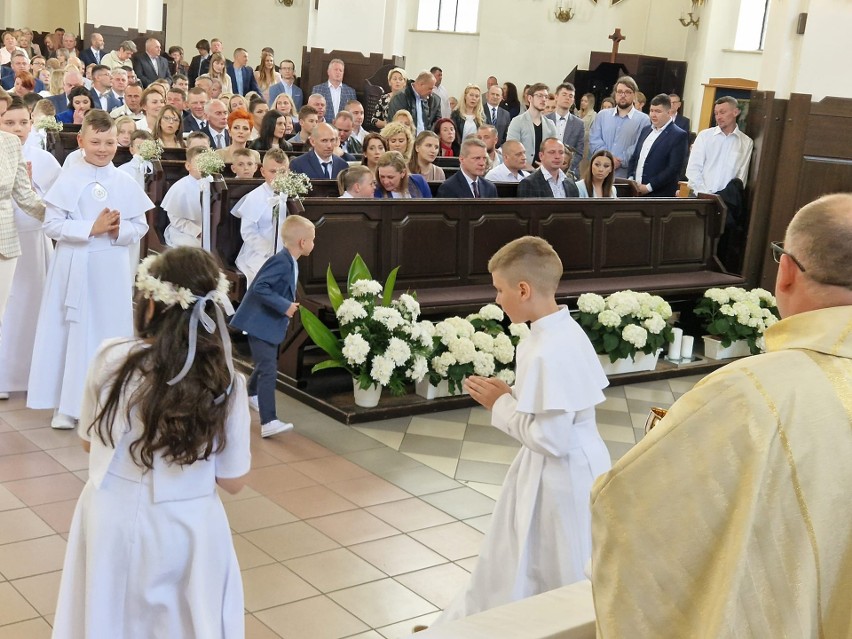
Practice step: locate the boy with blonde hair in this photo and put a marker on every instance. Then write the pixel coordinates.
(540, 533)
(244, 163)
(265, 313)
(182, 203)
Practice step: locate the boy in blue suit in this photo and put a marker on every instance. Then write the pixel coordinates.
(265, 313)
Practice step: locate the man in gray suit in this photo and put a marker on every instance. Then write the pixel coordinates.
(531, 128)
(549, 180)
(569, 128)
(495, 115)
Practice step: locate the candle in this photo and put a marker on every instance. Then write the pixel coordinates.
(687, 343)
(674, 347)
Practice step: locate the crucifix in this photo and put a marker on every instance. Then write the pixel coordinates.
(616, 38)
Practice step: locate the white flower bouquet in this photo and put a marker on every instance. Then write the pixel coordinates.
(381, 340)
(150, 150)
(476, 345)
(47, 123)
(209, 163)
(625, 323)
(294, 185)
(733, 314)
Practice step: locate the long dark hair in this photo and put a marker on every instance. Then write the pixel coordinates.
(77, 92)
(180, 422)
(606, 187)
(511, 99)
(267, 128)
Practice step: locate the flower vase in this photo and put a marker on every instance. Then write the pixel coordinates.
(638, 363)
(366, 398)
(713, 348)
(426, 390)
(294, 206)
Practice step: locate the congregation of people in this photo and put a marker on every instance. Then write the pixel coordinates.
(74, 294)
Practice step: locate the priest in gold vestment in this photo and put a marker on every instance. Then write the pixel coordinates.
(733, 517)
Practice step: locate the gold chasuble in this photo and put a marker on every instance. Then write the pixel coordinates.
(733, 517)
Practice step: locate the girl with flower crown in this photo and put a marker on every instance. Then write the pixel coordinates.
(165, 420)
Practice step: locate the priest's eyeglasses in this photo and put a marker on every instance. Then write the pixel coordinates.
(778, 250)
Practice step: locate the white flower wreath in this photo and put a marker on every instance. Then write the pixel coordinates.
(166, 292)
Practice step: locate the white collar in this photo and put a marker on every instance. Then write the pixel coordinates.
(629, 113)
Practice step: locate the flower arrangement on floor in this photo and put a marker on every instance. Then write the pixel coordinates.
(209, 163)
(476, 345)
(733, 314)
(381, 340)
(625, 323)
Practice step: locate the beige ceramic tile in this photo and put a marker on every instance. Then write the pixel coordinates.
(437, 585)
(476, 451)
(294, 447)
(403, 629)
(613, 403)
(461, 503)
(41, 591)
(18, 525)
(47, 438)
(381, 603)
(246, 493)
(370, 634)
(480, 416)
(326, 470)
(273, 585)
(410, 514)
(47, 489)
(288, 541)
(32, 557)
(648, 395)
(453, 541)
(276, 479)
(25, 465)
(249, 555)
(368, 491)
(27, 418)
(261, 459)
(334, 569)
(256, 629)
(12, 443)
(33, 629)
(397, 555)
(389, 438)
(13, 606)
(445, 465)
(258, 512)
(72, 457)
(8, 501)
(57, 515)
(489, 490)
(312, 501)
(352, 527)
(623, 434)
(436, 428)
(316, 618)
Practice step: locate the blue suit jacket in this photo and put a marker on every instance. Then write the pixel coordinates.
(87, 57)
(277, 89)
(308, 164)
(456, 186)
(346, 93)
(112, 101)
(262, 312)
(249, 82)
(664, 161)
(60, 102)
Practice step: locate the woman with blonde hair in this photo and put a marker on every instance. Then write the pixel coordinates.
(399, 138)
(266, 75)
(404, 116)
(57, 79)
(236, 101)
(397, 79)
(426, 147)
(469, 115)
(285, 106)
(168, 128)
(218, 71)
(395, 180)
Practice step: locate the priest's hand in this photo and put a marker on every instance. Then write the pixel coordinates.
(486, 390)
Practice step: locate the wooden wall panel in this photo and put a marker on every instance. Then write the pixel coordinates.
(429, 234)
(627, 239)
(339, 237)
(681, 240)
(486, 234)
(572, 237)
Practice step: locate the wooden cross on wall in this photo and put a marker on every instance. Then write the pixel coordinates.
(616, 38)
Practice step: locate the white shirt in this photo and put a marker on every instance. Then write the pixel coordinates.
(470, 182)
(442, 93)
(103, 99)
(501, 173)
(646, 149)
(716, 159)
(561, 122)
(555, 184)
(335, 96)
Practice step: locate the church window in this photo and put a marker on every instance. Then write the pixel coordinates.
(751, 25)
(448, 15)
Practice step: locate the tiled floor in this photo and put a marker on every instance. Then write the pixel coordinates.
(340, 532)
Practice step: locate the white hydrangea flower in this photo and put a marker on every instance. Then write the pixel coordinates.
(350, 310)
(503, 351)
(446, 331)
(419, 369)
(609, 318)
(388, 316)
(591, 303)
(736, 294)
(472, 317)
(483, 341)
(760, 342)
(727, 309)
(355, 349)
(382, 370)
(764, 296)
(491, 312)
(520, 330)
(462, 326)
(366, 288)
(717, 295)
(635, 335)
(661, 307)
(770, 320)
(462, 349)
(655, 324)
(483, 364)
(507, 375)
(441, 364)
(624, 303)
(398, 351)
(409, 306)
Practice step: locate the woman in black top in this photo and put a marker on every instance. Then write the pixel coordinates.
(273, 129)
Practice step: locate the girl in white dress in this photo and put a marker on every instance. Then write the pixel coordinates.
(165, 420)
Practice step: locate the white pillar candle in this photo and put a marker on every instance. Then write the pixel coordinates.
(687, 343)
(674, 346)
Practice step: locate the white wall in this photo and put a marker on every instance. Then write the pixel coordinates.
(333, 27)
(824, 60)
(41, 15)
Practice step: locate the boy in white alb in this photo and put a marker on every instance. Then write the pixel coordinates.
(136, 167)
(94, 212)
(255, 209)
(18, 321)
(182, 202)
(540, 533)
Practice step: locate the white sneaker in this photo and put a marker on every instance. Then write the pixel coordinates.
(4, 395)
(274, 427)
(61, 421)
(253, 403)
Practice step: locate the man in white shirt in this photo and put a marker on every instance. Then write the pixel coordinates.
(441, 91)
(217, 124)
(357, 110)
(549, 180)
(512, 169)
(721, 153)
(488, 134)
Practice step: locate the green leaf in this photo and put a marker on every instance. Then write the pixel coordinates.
(329, 363)
(387, 298)
(610, 342)
(321, 334)
(334, 294)
(357, 271)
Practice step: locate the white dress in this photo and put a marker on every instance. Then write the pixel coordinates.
(88, 297)
(182, 202)
(259, 237)
(540, 534)
(19, 321)
(150, 553)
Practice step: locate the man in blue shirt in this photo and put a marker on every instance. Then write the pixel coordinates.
(617, 130)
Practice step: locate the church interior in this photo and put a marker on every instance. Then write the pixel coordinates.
(364, 525)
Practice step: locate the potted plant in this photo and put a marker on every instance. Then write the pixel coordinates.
(735, 320)
(476, 345)
(381, 343)
(627, 329)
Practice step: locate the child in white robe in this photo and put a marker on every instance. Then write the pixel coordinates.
(182, 202)
(255, 209)
(94, 212)
(540, 532)
(137, 168)
(149, 550)
(19, 319)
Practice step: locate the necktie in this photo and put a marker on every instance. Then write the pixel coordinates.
(475, 186)
(326, 168)
(220, 141)
(98, 57)
(121, 100)
(493, 115)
